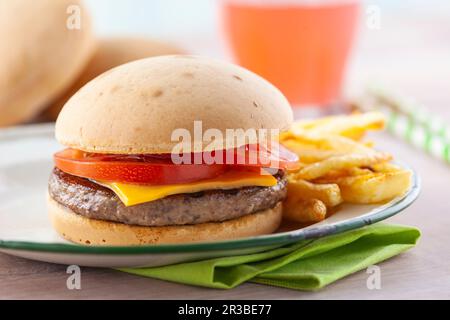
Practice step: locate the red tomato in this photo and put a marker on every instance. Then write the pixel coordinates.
(254, 155)
(133, 169)
(274, 156)
(159, 169)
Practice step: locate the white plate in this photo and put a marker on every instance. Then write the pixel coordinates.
(25, 231)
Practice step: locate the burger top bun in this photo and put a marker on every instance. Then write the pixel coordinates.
(136, 107)
(41, 53)
(110, 53)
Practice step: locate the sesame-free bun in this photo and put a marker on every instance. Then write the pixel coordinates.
(112, 52)
(40, 55)
(135, 108)
(83, 230)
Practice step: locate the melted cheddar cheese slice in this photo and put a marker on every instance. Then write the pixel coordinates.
(132, 194)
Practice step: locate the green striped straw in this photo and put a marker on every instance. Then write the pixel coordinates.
(411, 121)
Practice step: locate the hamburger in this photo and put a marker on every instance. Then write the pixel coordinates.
(120, 180)
(41, 56)
(111, 52)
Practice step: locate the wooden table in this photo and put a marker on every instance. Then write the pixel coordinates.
(423, 272)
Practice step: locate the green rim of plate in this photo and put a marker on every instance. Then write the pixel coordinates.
(378, 214)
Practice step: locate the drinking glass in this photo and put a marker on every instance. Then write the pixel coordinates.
(301, 46)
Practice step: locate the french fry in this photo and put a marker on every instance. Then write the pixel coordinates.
(385, 167)
(369, 144)
(309, 153)
(376, 187)
(332, 176)
(305, 211)
(301, 190)
(319, 169)
(338, 144)
(353, 126)
(337, 167)
(356, 171)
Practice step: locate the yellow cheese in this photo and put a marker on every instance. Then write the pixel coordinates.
(132, 194)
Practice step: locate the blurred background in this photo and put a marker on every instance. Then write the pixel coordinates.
(320, 53)
(408, 50)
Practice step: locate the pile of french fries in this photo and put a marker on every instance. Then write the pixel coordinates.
(337, 166)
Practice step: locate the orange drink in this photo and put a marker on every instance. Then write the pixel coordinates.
(300, 46)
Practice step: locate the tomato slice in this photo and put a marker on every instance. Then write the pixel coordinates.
(273, 156)
(146, 169)
(159, 169)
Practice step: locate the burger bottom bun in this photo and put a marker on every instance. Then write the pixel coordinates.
(87, 231)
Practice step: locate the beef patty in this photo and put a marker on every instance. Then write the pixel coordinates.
(91, 200)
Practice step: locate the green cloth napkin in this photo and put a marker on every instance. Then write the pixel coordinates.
(306, 265)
